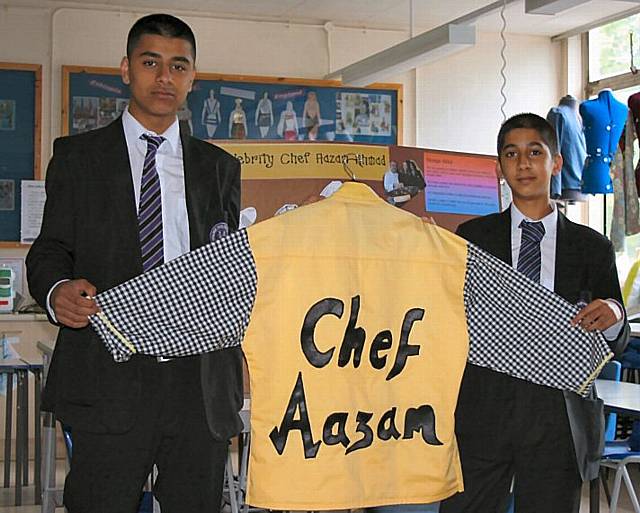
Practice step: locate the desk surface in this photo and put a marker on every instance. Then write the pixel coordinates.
(23, 317)
(619, 396)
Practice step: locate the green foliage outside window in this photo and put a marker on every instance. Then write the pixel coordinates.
(609, 48)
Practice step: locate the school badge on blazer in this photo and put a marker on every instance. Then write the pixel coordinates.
(218, 231)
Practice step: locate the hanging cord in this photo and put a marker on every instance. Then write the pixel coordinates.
(633, 69)
(504, 61)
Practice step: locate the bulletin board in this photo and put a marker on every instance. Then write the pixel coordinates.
(20, 137)
(253, 108)
(449, 187)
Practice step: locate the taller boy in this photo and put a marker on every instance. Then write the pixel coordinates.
(121, 200)
(549, 440)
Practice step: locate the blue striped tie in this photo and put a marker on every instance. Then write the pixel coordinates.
(530, 259)
(150, 209)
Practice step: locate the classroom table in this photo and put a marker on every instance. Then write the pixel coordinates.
(19, 368)
(618, 397)
(50, 493)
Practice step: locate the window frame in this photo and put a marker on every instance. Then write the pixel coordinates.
(622, 81)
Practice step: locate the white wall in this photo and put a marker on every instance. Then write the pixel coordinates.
(458, 98)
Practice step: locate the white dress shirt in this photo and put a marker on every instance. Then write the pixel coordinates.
(547, 244)
(548, 258)
(169, 164)
(175, 223)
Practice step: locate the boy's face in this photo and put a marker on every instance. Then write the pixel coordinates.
(160, 72)
(527, 164)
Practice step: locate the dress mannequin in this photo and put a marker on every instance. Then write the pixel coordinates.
(634, 107)
(264, 115)
(238, 122)
(604, 118)
(566, 120)
(211, 114)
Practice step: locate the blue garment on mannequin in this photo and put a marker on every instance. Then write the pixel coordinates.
(572, 147)
(603, 118)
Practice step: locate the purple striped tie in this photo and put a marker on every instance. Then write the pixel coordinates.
(150, 209)
(530, 257)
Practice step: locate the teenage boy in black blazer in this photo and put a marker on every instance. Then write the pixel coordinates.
(178, 414)
(548, 439)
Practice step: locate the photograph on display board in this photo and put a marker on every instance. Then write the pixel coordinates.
(7, 195)
(185, 119)
(404, 178)
(20, 121)
(223, 107)
(288, 124)
(84, 113)
(107, 111)
(7, 115)
(211, 117)
(363, 114)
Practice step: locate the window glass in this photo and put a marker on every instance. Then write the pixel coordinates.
(609, 50)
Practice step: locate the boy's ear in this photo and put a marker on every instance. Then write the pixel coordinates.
(557, 164)
(499, 169)
(124, 70)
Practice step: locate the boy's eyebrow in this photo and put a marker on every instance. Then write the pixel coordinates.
(178, 58)
(529, 144)
(149, 53)
(181, 58)
(507, 146)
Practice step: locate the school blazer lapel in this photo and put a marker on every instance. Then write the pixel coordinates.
(501, 237)
(574, 276)
(111, 162)
(201, 188)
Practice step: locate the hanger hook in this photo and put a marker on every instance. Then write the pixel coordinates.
(345, 165)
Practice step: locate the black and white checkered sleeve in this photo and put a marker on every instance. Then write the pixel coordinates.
(518, 327)
(197, 303)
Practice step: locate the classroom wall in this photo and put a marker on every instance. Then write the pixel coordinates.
(458, 98)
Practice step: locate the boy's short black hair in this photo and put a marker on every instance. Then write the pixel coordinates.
(160, 25)
(533, 121)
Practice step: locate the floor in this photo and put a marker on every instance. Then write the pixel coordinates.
(7, 497)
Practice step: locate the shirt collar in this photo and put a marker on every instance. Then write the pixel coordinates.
(549, 221)
(133, 129)
(355, 191)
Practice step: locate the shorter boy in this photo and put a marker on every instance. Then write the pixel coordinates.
(548, 440)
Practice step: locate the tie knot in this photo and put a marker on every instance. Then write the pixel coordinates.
(532, 231)
(153, 141)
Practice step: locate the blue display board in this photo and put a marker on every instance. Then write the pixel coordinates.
(250, 108)
(19, 140)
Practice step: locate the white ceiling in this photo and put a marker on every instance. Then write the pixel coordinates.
(385, 14)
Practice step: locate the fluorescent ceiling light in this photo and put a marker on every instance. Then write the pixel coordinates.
(407, 55)
(550, 6)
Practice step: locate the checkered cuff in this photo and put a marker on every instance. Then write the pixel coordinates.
(197, 303)
(518, 327)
